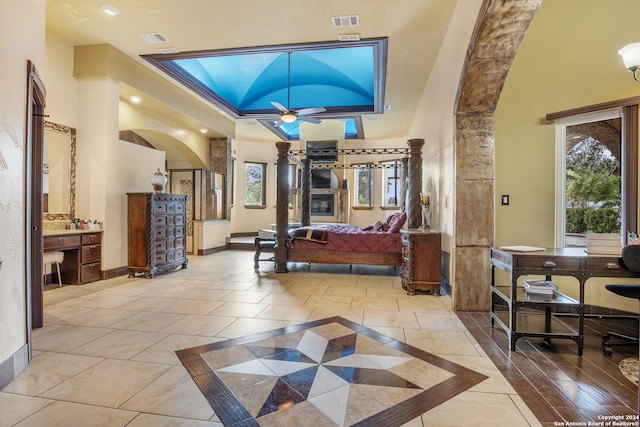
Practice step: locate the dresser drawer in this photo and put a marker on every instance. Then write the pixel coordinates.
(160, 245)
(160, 220)
(179, 242)
(160, 233)
(604, 263)
(60, 242)
(90, 272)
(179, 208)
(160, 208)
(90, 253)
(180, 253)
(160, 258)
(179, 220)
(549, 263)
(179, 232)
(91, 239)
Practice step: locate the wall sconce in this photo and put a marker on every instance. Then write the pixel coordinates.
(631, 57)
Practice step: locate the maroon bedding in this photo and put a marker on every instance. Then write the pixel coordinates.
(352, 239)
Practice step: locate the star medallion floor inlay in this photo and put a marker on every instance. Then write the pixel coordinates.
(326, 372)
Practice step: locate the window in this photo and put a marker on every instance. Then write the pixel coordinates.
(597, 170)
(362, 186)
(391, 183)
(255, 188)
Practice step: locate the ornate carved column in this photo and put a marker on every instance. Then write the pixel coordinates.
(282, 206)
(414, 213)
(404, 184)
(305, 204)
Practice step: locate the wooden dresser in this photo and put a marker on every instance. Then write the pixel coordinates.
(421, 252)
(82, 254)
(156, 233)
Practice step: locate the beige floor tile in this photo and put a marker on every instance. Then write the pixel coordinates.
(175, 394)
(65, 338)
(151, 420)
(120, 344)
(106, 301)
(286, 312)
(100, 318)
(240, 296)
(390, 304)
(285, 298)
(352, 314)
(395, 293)
(109, 383)
(441, 342)
(150, 322)
(242, 327)
(476, 409)
(425, 303)
(193, 324)
(440, 321)
(164, 351)
(395, 333)
(329, 301)
(394, 319)
(238, 309)
(47, 370)
(148, 303)
(345, 291)
(205, 294)
(191, 307)
(16, 408)
(65, 414)
(60, 313)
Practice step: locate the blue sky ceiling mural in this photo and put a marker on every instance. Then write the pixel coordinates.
(345, 78)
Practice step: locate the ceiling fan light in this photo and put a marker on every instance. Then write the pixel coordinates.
(288, 118)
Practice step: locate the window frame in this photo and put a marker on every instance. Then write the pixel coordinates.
(356, 186)
(397, 167)
(263, 189)
(627, 110)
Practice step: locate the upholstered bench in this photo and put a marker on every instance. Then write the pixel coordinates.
(263, 245)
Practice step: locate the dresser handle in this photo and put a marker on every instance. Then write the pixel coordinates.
(549, 264)
(611, 266)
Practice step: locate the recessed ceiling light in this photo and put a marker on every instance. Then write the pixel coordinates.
(203, 130)
(180, 132)
(135, 99)
(110, 10)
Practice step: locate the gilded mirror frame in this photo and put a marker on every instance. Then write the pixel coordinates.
(71, 133)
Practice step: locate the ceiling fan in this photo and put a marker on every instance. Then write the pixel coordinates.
(290, 116)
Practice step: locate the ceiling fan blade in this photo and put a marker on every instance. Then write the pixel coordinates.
(312, 110)
(309, 119)
(279, 106)
(280, 123)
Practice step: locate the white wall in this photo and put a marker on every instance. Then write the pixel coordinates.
(22, 31)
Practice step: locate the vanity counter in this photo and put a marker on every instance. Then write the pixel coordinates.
(82, 254)
(66, 232)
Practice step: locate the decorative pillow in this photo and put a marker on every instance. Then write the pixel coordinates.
(397, 222)
(315, 234)
(377, 226)
(368, 227)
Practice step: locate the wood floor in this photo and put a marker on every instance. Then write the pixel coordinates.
(557, 384)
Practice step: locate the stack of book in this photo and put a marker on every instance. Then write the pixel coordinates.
(540, 287)
(604, 244)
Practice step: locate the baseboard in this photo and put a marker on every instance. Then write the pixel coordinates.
(209, 251)
(114, 272)
(13, 366)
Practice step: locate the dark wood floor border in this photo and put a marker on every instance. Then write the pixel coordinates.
(231, 411)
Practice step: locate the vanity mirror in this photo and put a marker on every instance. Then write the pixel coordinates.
(59, 180)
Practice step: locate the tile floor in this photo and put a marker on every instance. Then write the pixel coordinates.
(107, 353)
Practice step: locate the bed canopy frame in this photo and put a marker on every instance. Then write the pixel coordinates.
(411, 179)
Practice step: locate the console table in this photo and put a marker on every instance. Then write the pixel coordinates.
(573, 262)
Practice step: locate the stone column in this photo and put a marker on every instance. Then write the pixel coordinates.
(305, 204)
(414, 212)
(282, 206)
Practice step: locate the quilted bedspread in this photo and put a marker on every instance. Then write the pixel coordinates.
(353, 239)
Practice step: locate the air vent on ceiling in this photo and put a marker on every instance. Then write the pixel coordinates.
(345, 21)
(154, 38)
(166, 50)
(348, 37)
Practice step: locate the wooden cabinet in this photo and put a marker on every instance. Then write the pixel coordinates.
(421, 252)
(82, 255)
(156, 233)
